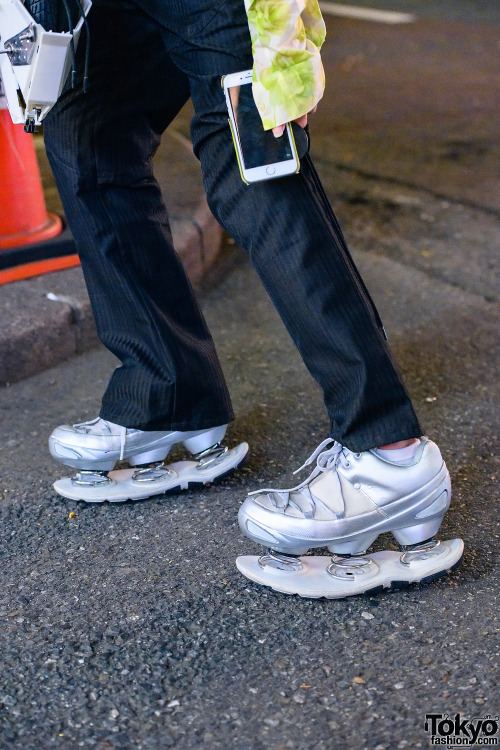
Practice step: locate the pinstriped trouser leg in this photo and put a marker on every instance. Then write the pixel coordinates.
(293, 239)
(294, 243)
(100, 146)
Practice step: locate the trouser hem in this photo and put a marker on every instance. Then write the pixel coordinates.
(378, 438)
(167, 426)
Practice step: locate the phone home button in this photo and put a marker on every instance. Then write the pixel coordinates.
(271, 170)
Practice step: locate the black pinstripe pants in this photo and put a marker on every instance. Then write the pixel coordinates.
(146, 58)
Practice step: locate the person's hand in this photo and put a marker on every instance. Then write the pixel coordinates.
(302, 121)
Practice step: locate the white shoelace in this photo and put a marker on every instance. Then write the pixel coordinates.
(325, 460)
(100, 426)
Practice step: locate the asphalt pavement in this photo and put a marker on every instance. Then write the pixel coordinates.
(467, 11)
(128, 626)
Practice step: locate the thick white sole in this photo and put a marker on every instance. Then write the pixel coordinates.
(182, 475)
(314, 581)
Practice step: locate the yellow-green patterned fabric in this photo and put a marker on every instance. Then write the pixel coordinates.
(288, 76)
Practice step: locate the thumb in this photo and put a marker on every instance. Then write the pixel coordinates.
(278, 131)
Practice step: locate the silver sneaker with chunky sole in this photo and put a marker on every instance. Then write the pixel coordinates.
(94, 447)
(345, 503)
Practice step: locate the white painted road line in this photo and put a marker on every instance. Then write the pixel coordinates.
(366, 14)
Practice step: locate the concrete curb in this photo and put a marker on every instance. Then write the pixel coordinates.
(48, 319)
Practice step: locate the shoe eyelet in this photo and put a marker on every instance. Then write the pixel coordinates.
(347, 464)
(357, 486)
(357, 455)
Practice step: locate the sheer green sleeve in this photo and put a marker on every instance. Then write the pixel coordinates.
(288, 76)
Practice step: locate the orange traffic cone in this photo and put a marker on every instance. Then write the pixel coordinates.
(24, 219)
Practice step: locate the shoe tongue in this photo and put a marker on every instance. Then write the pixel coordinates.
(328, 489)
(101, 427)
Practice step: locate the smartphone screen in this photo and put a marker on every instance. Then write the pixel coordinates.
(258, 146)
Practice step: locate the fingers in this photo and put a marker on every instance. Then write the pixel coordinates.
(302, 121)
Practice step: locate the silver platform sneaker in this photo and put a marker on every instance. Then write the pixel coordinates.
(345, 503)
(351, 498)
(99, 444)
(94, 447)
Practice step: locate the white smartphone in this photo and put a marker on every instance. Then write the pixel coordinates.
(261, 156)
